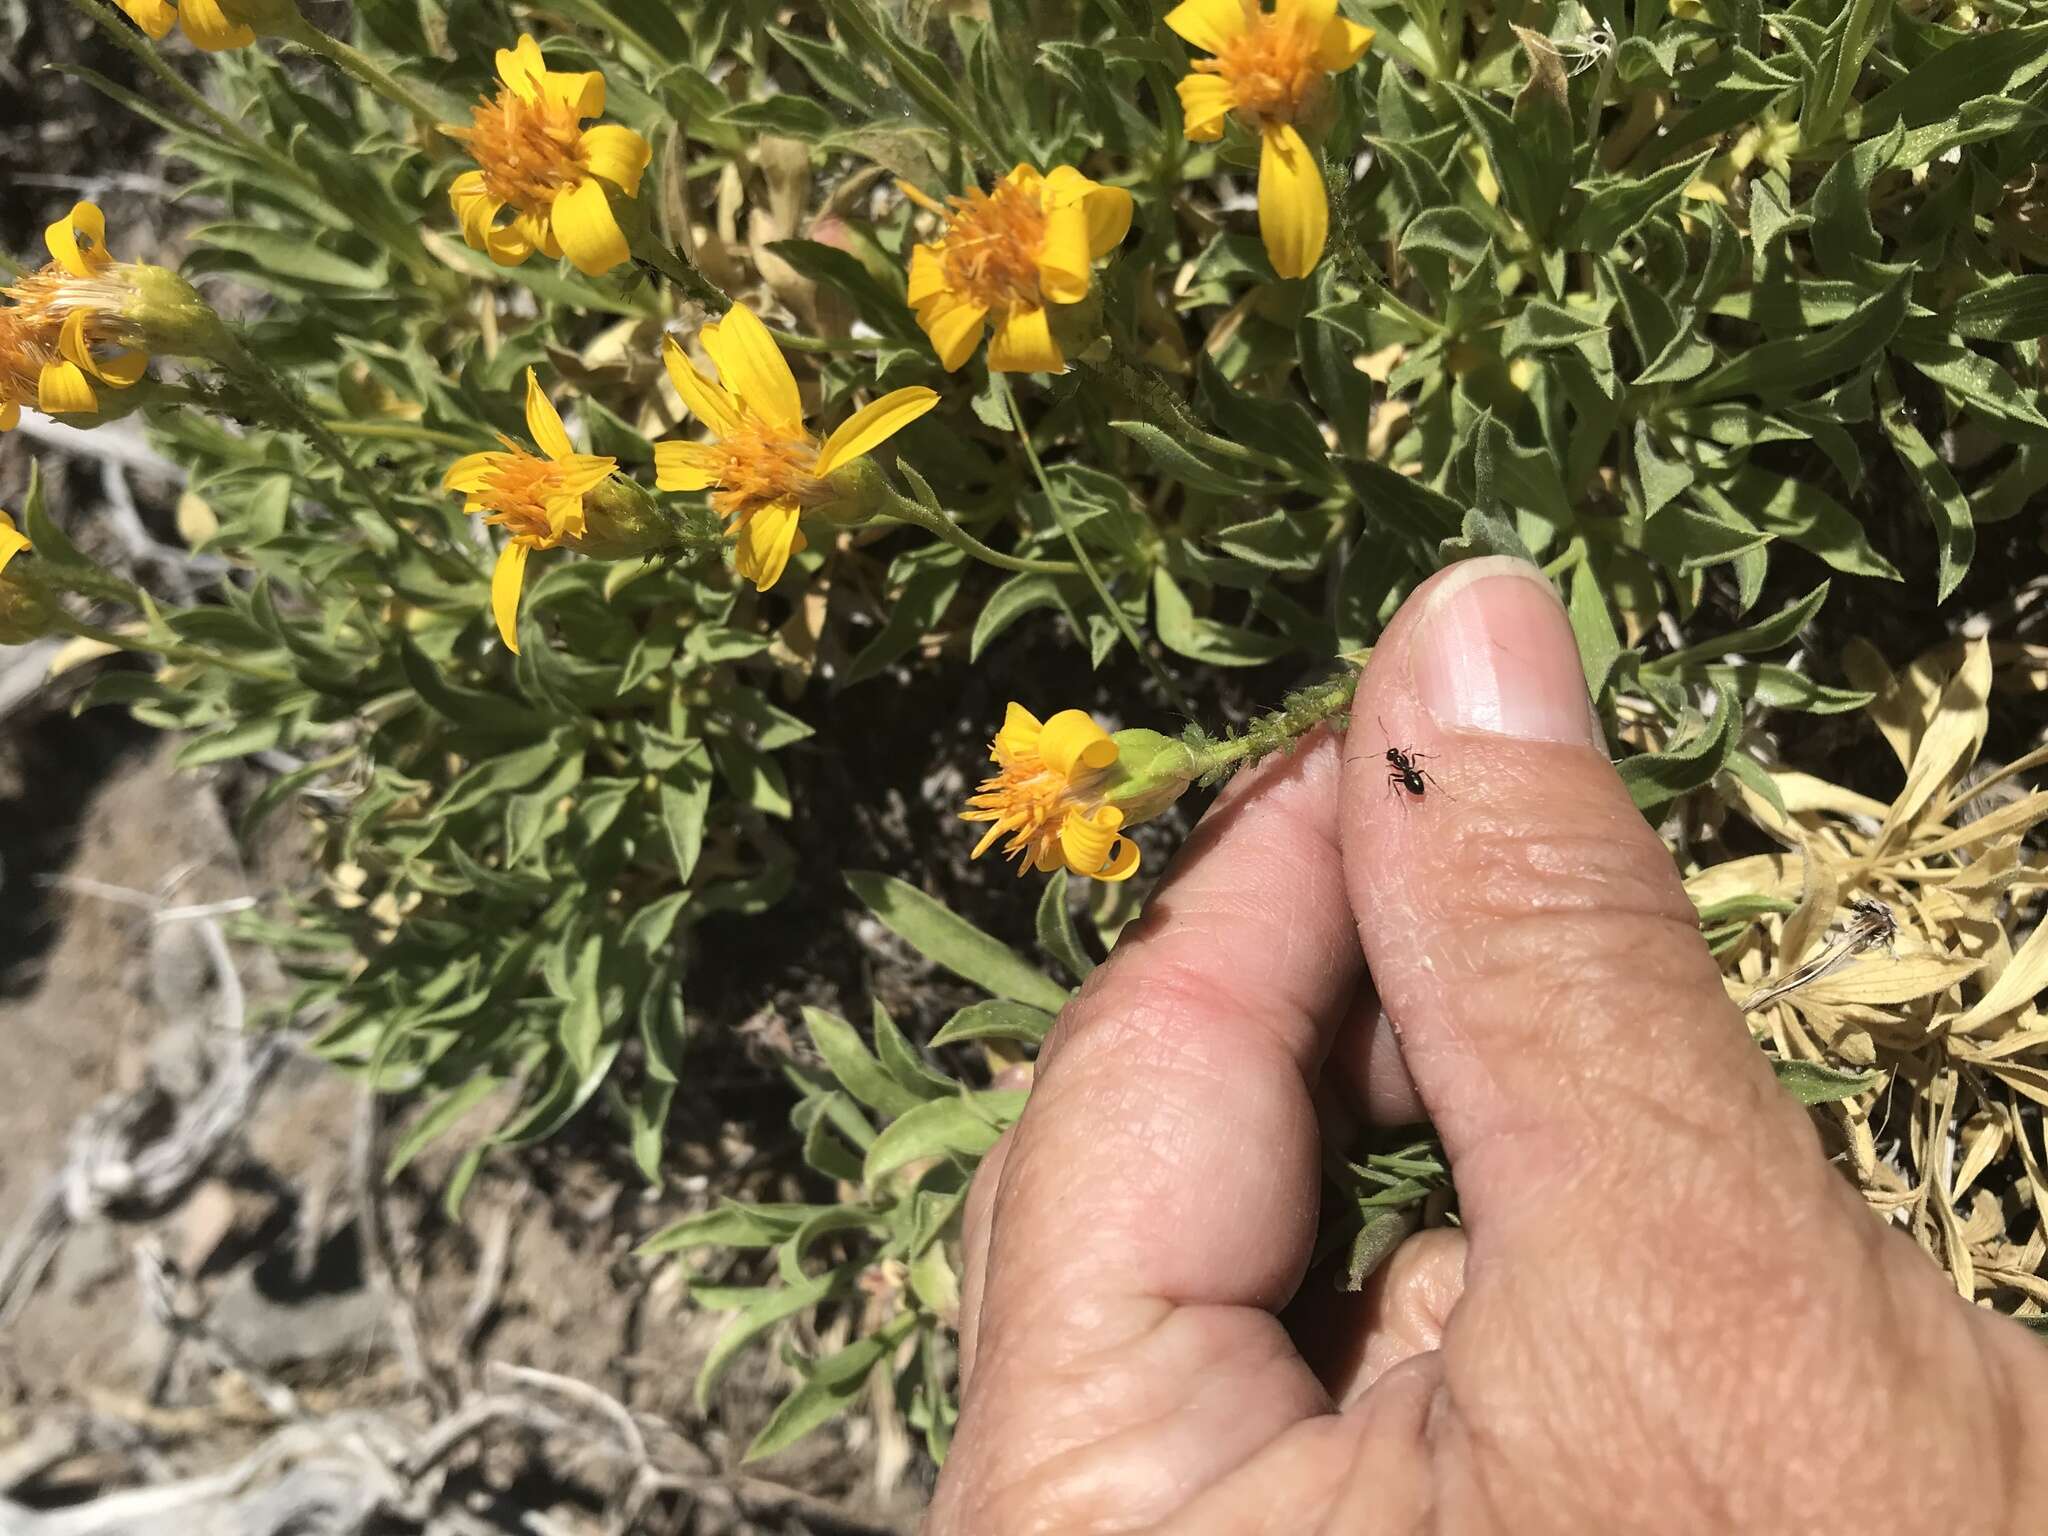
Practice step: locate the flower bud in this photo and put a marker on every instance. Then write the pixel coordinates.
(1151, 772)
(168, 315)
(621, 520)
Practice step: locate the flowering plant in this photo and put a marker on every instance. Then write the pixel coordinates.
(1116, 372)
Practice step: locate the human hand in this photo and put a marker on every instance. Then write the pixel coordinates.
(1663, 1311)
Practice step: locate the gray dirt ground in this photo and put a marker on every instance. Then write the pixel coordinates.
(264, 1250)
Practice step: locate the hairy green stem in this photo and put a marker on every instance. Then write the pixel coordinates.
(1360, 269)
(1163, 407)
(353, 61)
(177, 651)
(1301, 712)
(930, 95)
(903, 509)
(405, 432)
(1117, 616)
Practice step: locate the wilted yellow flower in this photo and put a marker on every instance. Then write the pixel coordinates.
(1269, 68)
(537, 501)
(65, 328)
(763, 466)
(1047, 797)
(535, 158)
(1005, 256)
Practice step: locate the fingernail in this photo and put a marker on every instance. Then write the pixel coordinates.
(1493, 651)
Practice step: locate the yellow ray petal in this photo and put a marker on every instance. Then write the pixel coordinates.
(12, 540)
(207, 28)
(1209, 24)
(751, 366)
(582, 91)
(10, 415)
(538, 234)
(873, 424)
(927, 274)
(1344, 44)
(1311, 18)
(544, 423)
(582, 473)
(682, 466)
(1108, 208)
(1294, 213)
(954, 326)
(79, 240)
(590, 236)
(1205, 104)
(706, 401)
(506, 579)
(471, 472)
(62, 387)
(766, 541)
(154, 16)
(522, 68)
(1063, 255)
(616, 154)
(1023, 344)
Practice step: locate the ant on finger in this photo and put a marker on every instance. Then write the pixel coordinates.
(1405, 770)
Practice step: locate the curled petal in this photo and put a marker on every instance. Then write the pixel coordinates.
(589, 235)
(1343, 44)
(1092, 845)
(766, 541)
(1108, 209)
(507, 577)
(12, 540)
(1063, 255)
(1020, 733)
(1023, 344)
(208, 29)
(154, 16)
(682, 466)
(1205, 102)
(955, 327)
(62, 387)
(616, 154)
(74, 345)
(703, 399)
(752, 367)
(544, 423)
(1294, 213)
(1073, 743)
(539, 233)
(1211, 25)
(872, 425)
(581, 91)
(79, 240)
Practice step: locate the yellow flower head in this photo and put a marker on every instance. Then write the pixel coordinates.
(537, 501)
(536, 159)
(762, 466)
(1007, 254)
(207, 24)
(65, 328)
(1268, 68)
(1046, 797)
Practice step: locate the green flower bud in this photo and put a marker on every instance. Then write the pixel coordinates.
(1151, 772)
(620, 520)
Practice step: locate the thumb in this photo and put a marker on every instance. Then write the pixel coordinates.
(1529, 935)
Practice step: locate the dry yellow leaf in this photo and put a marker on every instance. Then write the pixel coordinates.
(1880, 980)
(76, 652)
(2024, 977)
(1948, 744)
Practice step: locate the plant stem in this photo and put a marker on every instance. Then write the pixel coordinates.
(1301, 712)
(1359, 267)
(1117, 616)
(689, 277)
(173, 651)
(905, 510)
(353, 61)
(1163, 407)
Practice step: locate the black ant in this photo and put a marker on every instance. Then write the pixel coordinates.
(1405, 770)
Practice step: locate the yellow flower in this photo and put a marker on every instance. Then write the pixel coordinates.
(207, 25)
(763, 467)
(1004, 256)
(65, 328)
(1269, 68)
(537, 160)
(537, 501)
(1047, 798)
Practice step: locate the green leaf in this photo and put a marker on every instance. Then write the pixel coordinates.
(685, 795)
(964, 1126)
(1057, 935)
(1617, 206)
(761, 1313)
(951, 941)
(1654, 778)
(1207, 640)
(904, 1062)
(1777, 369)
(485, 712)
(2007, 309)
(1007, 604)
(1811, 1083)
(732, 1224)
(440, 1114)
(1593, 626)
(1988, 63)
(1180, 464)
(1541, 326)
(1661, 480)
(50, 542)
(996, 1021)
(830, 1388)
(292, 254)
(1765, 635)
(1955, 530)
(859, 1073)
(789, 115)
(1449, 231)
